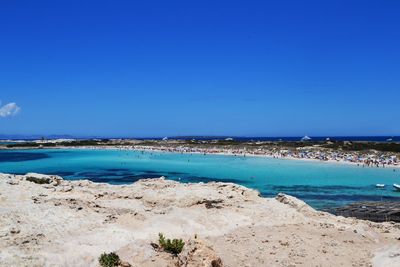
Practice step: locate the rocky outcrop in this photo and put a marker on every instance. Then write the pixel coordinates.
(48, 221)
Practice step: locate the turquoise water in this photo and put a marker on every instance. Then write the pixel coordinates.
(322, 185)
(7, 143)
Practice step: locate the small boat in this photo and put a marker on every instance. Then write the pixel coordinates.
(396, 186)
(380, 185)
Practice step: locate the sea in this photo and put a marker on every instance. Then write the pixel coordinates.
(320, 184)
(387, 138)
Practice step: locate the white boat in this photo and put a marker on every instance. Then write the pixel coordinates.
(380, 185)
(396, 186)
(306, 138)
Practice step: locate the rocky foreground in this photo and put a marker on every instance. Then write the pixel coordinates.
(47, 221)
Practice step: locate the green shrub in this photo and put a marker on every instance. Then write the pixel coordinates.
(109, 259)
(39, 180)
(174, 246)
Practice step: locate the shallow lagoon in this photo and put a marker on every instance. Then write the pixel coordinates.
(322, 185)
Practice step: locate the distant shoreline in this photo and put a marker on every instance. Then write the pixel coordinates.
(352, 138)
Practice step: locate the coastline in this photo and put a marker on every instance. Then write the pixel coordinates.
(223, 153)
(72, 222)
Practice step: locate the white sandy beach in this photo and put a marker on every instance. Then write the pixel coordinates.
(229, 152)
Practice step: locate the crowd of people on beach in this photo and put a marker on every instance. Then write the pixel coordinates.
(371, 159)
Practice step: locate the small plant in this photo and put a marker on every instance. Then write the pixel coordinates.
(174, 246)
(39, 180)
(109, 259)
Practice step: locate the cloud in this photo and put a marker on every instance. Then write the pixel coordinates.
(9, 109)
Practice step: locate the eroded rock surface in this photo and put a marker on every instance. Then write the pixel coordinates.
(70, 223)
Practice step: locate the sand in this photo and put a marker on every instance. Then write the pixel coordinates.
(70, 223)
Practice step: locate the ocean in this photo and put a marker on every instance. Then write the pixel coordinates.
(238, 138)
(320, 184)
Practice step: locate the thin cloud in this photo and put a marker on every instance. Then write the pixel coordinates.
(10, 109)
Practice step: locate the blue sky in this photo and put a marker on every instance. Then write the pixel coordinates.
(161, 68)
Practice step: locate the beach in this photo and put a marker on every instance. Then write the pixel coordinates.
(67, 223)
(316, 153)
(360, 153)
(372, 159)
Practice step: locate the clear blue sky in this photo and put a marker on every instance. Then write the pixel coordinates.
(161, 68)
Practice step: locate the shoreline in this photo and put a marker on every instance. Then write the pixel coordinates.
(222, 153)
